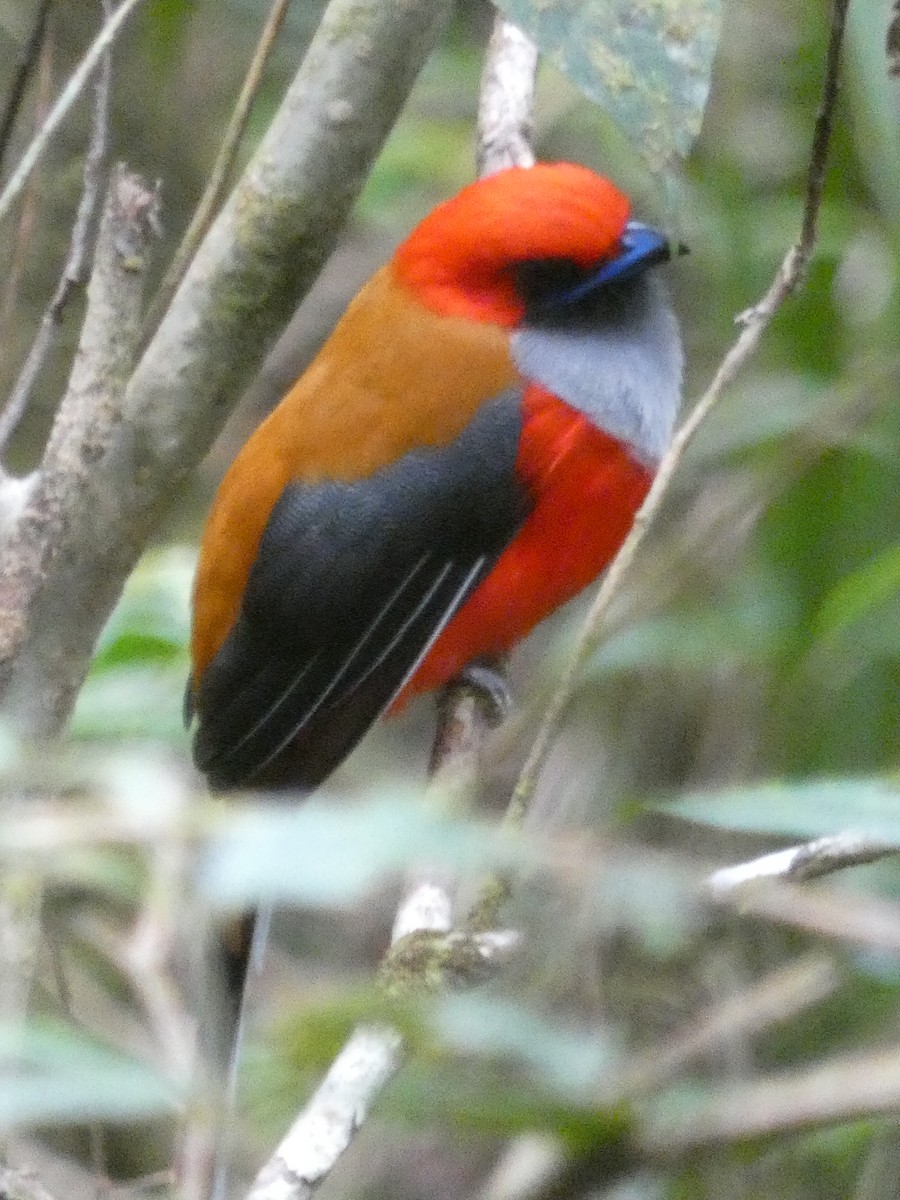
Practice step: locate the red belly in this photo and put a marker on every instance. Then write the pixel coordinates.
(587, 488)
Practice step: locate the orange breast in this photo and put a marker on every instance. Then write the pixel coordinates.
(392, 377)
(587, 489)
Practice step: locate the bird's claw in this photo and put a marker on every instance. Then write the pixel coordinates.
(490, 682)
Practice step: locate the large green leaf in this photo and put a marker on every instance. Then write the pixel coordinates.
(571, 1061)
(861, 593)
(865, 806)
(328, 852)
(647, 62)
(50, 1074)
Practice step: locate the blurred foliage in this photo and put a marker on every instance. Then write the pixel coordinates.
(50, 1074)
(869, 807)
(759, 640)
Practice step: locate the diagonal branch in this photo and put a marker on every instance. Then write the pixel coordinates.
(91, 410)
(24, 69)
(807, 861)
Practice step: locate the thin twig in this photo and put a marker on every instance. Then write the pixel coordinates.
(74, 271)
(28, 57)
(780, 997)
(67, 98)
(21, 239)
(824, 912)
(755, 321)
(807, 861)
(222, 168)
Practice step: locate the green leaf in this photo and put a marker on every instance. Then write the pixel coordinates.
(866, 806)
(857, 594)
(327, 852)
(151, 622)
(480, 1097)
(570, 1061)
(133, 702)
(648, 63)
(49, 1074)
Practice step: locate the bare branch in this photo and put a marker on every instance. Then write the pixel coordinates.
(324, 1129)
(327, 1123)
(755, 322)
(843, 1089)
(28, 208)
(89, 413)
(807, 861)
(507, 100)
(779, 997)
(842, 915)
(67, 98)
(261, 254)
(79, 248)
(222, 167)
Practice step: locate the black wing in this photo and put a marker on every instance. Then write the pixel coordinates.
(352, 584)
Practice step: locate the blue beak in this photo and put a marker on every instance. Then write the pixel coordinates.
(641, 247)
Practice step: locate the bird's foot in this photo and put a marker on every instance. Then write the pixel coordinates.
(489, 679)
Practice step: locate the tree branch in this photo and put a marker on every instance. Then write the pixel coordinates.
(844, 1089)
(507, 100)
(797, 863)
(87, 420)
(24, 68)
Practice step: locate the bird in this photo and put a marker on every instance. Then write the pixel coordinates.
(465, 454)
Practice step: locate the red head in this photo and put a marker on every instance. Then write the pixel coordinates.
(462, 259)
